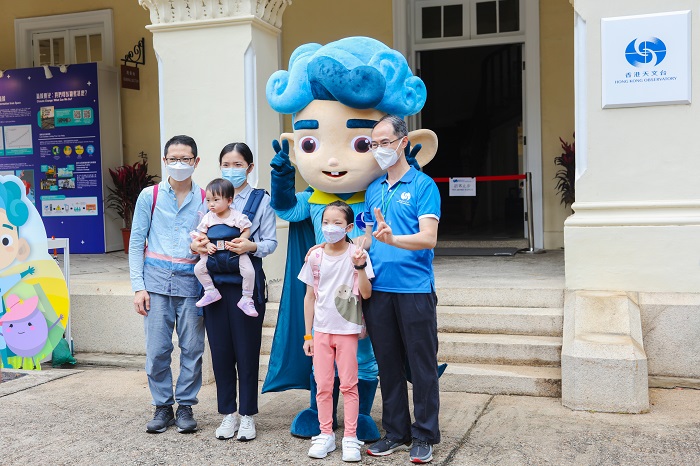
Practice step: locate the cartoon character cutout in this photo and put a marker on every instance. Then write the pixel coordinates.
(335, 94)
(31, 284)
(25, 328)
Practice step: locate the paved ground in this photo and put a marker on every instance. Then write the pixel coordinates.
(97, 416)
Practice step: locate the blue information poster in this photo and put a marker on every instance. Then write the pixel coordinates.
(50, 139)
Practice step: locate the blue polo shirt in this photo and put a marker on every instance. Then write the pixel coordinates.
(413, 197)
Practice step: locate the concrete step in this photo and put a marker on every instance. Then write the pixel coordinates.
(501, 297)
(503, 320)
(271, 311)
(523, 350)
(502, 379)
(483, 348)
(488, 378)
(267, 334)
(496, 296)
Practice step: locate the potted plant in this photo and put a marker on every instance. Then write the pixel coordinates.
(128, 181)
(566, 175)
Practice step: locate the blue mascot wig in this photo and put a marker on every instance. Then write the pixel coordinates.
(359, 72)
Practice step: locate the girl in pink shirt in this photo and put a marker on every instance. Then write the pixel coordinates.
(337, 278)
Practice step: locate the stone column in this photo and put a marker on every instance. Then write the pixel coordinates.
(214, 59)
(632, 246)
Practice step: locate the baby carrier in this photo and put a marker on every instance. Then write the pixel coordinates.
(223, 264)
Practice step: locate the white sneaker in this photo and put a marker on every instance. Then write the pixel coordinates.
(246, 431)
(228, 426)
(321, 445)
(351, 449)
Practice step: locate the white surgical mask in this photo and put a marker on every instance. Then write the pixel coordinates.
(237, 176)
(180, 171)
(333, 233)
(385, 156)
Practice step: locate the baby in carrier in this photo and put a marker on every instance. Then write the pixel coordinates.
(219, 197)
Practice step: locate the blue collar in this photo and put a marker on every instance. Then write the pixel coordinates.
(406, 178)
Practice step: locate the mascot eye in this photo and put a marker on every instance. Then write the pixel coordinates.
(6, 240)
(11, 325)
(29, 324)
(309, 144)
(361, 144)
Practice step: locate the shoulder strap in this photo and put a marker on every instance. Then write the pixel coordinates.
(315, 260)
(251, 206)
(155, 197)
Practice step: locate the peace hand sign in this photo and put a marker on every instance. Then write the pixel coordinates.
(383, 233)
(360, 256)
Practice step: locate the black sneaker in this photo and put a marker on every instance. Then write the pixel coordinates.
(184, 420)
(421, 452)
(386, 446)
(162, 419)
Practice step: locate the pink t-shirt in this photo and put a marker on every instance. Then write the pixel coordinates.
(337, 310)
(235, 219)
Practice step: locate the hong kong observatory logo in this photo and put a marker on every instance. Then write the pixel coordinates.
(645, 52)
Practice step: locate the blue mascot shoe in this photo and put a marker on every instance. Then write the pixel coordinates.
(306, 425)
(367, 430)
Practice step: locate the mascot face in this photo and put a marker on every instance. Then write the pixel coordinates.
(331, 146)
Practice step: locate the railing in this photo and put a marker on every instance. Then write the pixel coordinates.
(528, 200)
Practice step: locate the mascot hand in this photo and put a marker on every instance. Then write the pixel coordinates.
(282, 192)
(280, 162)
(411, 155)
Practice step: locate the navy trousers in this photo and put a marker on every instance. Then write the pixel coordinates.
(403, 327)
(234, 339)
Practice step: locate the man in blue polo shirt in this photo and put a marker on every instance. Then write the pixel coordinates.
(402, 214)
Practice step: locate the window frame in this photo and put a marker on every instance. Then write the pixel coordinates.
(469, 25)
(49, 35)
(466, 23)
(25, 28)
(473, 20)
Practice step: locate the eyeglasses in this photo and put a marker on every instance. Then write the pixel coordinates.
(374, 144)
(187, 160)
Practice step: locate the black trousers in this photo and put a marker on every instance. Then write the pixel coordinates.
(234, 339)
(403, 327)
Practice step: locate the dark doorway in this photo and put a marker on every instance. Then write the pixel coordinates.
(475, 105)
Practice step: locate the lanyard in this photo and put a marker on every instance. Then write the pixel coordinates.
(385, 205)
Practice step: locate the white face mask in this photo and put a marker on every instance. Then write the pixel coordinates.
(386, 156)
(180, 171)
(333, 233)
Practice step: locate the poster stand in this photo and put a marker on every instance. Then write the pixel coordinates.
(64, 243)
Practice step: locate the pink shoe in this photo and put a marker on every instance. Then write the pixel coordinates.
(210, 296)
(247, 306)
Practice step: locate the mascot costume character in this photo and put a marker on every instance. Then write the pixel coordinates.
(335, 94)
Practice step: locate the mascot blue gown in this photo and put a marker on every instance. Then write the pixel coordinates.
(335, 94)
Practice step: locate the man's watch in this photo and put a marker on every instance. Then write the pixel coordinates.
(360, 267)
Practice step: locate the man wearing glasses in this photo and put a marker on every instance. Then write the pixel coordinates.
(165, 286)
(402, 212)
